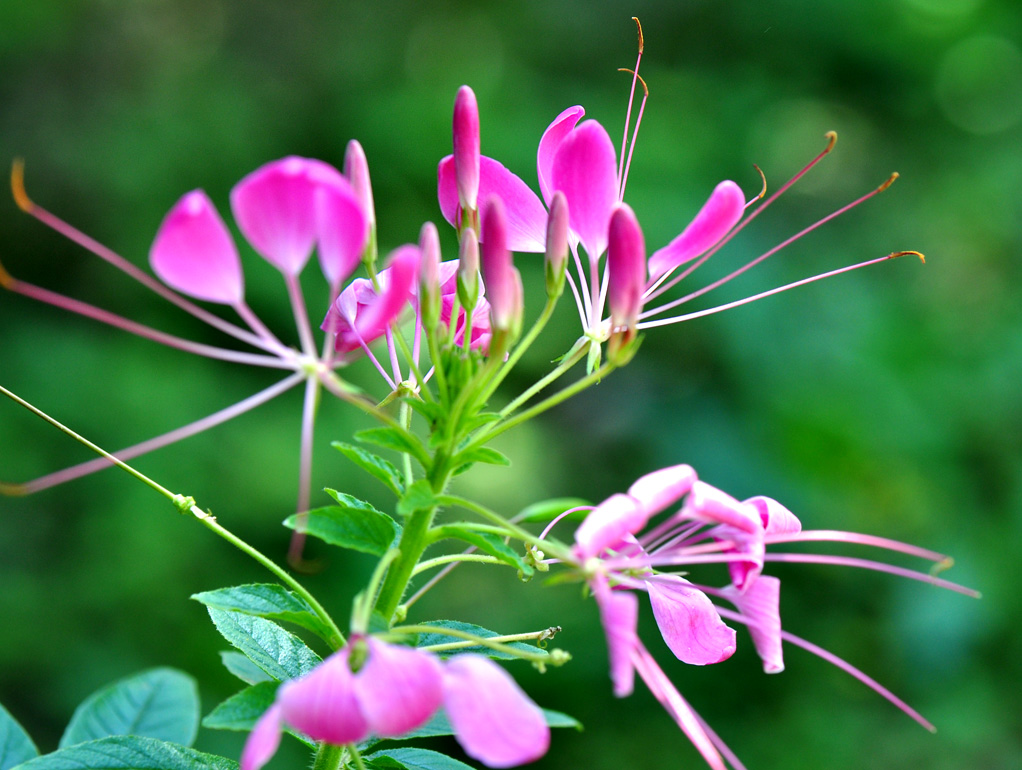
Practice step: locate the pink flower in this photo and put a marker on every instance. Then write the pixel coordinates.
(397, 690)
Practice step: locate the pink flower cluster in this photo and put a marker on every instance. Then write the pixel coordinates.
(398, 689)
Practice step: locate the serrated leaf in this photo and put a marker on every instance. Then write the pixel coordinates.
(439, 637)
(418, 497)
(247, 671)
(242, 710)
(361, 528)
(15, 745)
(128, 752)
(415, 759)
(481, 419)
(431, 410)
(267, 600)
(161, 703)
(279, 653)
(398, 440)
(487, 543)
(482, 454)
(374, 465)
(548, 510)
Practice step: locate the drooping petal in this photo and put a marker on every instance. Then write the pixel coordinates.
(744, 572)
(760, 604)
(398, 688)
(688, 621)
(707, 503)
(626, 269)
(194, 253)
(717, 216)
(526, 216)
(466, 147)
(322, 703)
(585, 170)
(373, 317)
(551, 140)
(608, 523)
(274, 207)
(659, 489)
(494, 721)
(619, 615)
(342, 229)
(263, 741)
(777, 520)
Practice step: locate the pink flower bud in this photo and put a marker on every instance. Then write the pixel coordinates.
(429, 275)
(468, 269)
(499, 278)
(466, 147)
(626, 266)
(556, 244)
(356, 170)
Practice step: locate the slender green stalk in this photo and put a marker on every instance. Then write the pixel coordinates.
(520, 349)
(329, 757)
(540, 656)
(529, 636)
(439, 561)
(509, 528)
(571, 358)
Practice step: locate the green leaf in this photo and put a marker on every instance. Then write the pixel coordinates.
(375, 465)
(419, 497)
(441, 725)
(15, 745)
(415, 759)
(486, 542)
(560, 719)
(160, 703)
(481, 419)
(428, 640)
(280, 654)
(360, 528)
(267, 600)
(243, 668)
(398, 440)
(482, 454)
(242, 710)
(548, 510)
(128, 752)
(431, 410)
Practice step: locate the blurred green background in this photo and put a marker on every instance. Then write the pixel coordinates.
(884, 401)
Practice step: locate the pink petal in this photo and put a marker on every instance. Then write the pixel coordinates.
(777, 520)
(466, 146)
(707, 503)
(526, 216)
(195, 254)
(745, 572)
(398, 689)
(402, 275)
(585, 170)
(760, 604)
(619, 614)
(717, 216)
(494, 721)
(607, 524)
(263, 741)
(342, 230)
(322, 704)
(561, 126)
(689, 622)
(274, 208)
(659, 489)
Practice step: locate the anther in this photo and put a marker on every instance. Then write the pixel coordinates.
(763, 192)
(831, 137)
(889, 182)
(7, 281)
(895, 255)
(638, 24)
(18, 186)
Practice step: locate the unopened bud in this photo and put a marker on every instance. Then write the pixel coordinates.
(626, 281)
(468, 269)
(500, 279)
(356, 169)
(429, 276)
(466, 147)
(556, 245)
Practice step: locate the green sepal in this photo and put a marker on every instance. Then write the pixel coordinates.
(15, 744)
(242, 710)
(486, 542)
(357, 526)
(160, 703)
(267, 600)
(439, 637)
(374, 465)
(239, 665)
(419, 497)
(128, 752)
(398, 440)
(279, 653)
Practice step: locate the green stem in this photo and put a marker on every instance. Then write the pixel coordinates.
(439, 561)
(328, 757)
(509, 528)
(520, 349)
(412, 543)
(572, 357)
(540, 656)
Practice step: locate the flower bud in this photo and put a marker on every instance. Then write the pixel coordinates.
(356, 169)
(466, 147)
(626, 267)
(500, 279)
(556, 245)
(468, 269)
(429, 276)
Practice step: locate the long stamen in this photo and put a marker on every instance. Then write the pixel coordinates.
(294, 554)
(29, 207)
(635, 133)
(778, 290)
(628, 112)
(294, 292)
(210, 421)
(838, 536)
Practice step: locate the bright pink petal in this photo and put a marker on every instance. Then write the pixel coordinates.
(466, 147)
(494, 721)
(195, 254)
(717, 216)
(585, 170)
(707, 503)
(659, 489)
(342, 229)
(689, 622)
(619, 614)
(526, 216)
(398, 688)
(760, 604)
(402, 275)
(777, 520)
(607, 524)
(745, 572)
(562, 125)
(263, 741)
(322, 704)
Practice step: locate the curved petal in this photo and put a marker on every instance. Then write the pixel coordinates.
(608, 523)
(526, 216)
(322, 704)
(777, 520)
(689, 622)
(263, 741)
(398, 689)
(760, 604)
(494, 721)
(745, 572)
(342, 230)
(659, 489)
(707, 503)
(585, 170)
(194, 253)
(549, 143)
(403, 272)
(619, 614)
(717, 216)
